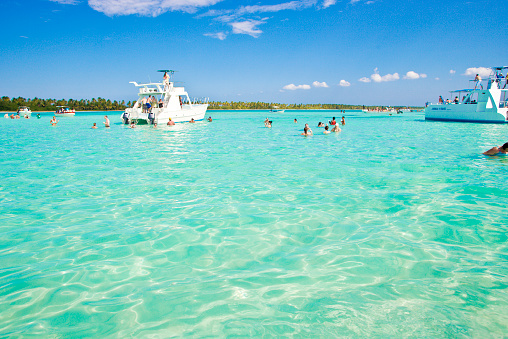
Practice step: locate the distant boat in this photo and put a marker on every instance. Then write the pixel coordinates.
(276, 109)
(24, 110)
(170, 102)
(475, 104)
(65, 111)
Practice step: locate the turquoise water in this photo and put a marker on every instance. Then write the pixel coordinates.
(393, 227)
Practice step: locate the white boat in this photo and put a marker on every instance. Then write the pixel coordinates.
(65, 111)
(276, 109)
(170, 102)
(24, 110)
(479, 104)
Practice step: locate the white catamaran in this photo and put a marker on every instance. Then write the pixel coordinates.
(479, 104)
(159, 102)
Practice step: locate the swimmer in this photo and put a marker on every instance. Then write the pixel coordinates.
(296, 121)
(154, 125)
(53, 121)
(171, 122)
(497, 150)
(209, 119)
(6, 116)
(133, 125)
(320, 124)
(38, 116)
(333, 122)
(106, 123)
(94, 126)
(266, 122)
(192, 120)
(343, 121)
(269, 124)
(26, 116)
(326, 130)
(336, 128)
(307, 131)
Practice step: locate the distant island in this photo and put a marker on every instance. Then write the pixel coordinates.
(101, 104)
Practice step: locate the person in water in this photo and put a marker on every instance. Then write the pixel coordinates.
(106, 123)
(497, 150)
(266, 122)
(209, 119)
(94, 126)
(192, 120)
(38, 116)
(343, 121)
(269, 124)
(326, 130)
(296, 121)
(133, 125)
(171, 122)
(320, 124)
(53, 121)
(336, 128)
(307, 131)
(333, 122)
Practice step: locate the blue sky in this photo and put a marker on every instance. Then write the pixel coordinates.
(302, 51)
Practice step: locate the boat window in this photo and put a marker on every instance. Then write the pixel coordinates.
(503, 103)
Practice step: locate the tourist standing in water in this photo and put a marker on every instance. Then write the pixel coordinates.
(94, 126)
(106, 123)
(336, 128)
(53, 121)
(343, 121)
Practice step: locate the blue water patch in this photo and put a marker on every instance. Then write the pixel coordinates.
(394, 227)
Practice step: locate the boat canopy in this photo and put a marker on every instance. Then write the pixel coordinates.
(499, 68)
(462, 90)
(166, 71)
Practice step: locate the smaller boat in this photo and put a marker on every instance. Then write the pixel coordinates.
(65, 111)
(276, 109)
(24, 110)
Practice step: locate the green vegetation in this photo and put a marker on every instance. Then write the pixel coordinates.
(100, 104)
(264, 105)
(36, 104)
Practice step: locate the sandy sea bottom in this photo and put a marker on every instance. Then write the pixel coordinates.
(393, 227)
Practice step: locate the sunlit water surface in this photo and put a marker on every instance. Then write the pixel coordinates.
(393, 227)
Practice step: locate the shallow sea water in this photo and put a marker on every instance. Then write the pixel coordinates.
(395, 227)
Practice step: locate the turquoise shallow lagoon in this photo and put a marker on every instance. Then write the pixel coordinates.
(395, 227)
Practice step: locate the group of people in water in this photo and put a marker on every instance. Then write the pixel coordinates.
(18, 116)
(308, 131)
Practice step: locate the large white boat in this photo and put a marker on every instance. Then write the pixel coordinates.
(158, 102)
(24, 110)
(65, 111)
(487, 103)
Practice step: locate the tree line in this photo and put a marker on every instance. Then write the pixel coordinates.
(101, 104)
(264, 105)
(36, 104)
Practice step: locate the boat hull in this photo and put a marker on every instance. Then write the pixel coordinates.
(161, 115)
(464, 113)
(65, 114)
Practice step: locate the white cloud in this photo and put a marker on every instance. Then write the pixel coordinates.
(293, 87)
(345, 83)
(437, 78)
(247, 27)
(328, 3)
(24, 37)
(147, 7)
(352, 2)
(66, 2)
(452, 71)
(292, 5)
(219, 35)
(413, 75)
(388, 77)
(482, 71)
(364, 79)
(319, 84)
